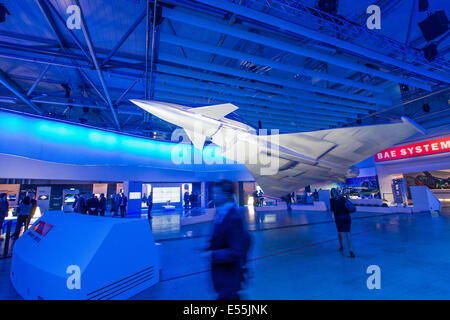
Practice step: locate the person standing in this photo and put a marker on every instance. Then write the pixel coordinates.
(75, 204)
(117, 200)
(112, 204)
(123, 205)
(32, 211)
(149, 206)
(92, 205)
(229, 244)
(261, 198)
(195, 200)
(191, 200)
(22, 217)
(81, 204)
(255, 198)
(102, 205)
(342, 209)
(4, 208)
(186, 200)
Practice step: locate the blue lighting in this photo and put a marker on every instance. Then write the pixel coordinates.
(67, 143)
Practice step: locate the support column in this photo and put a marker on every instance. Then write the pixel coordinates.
(133, 191)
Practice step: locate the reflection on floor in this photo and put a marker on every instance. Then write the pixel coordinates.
(295, 256)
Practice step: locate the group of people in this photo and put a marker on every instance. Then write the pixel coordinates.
(95, 206)
(25, 212)
(190, 200)
(258, 198)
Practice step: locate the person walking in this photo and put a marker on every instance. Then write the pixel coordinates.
(102, 205)
(92, 205)
(4, 208)
(22, 217)
(342, 208)
(229, 244)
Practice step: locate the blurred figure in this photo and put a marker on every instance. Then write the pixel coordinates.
(74, 204)
(255, 199)
(186, 200)
(261, 198)
(144, 199)
(117, 200)
(102, 205)
(316, 195)
(229, 244)
(4, 208)
(92, 205)
(81, 204)
(195, 200)
(22, 217)
(123, 205)
(342, 210)
(149, 206)
(191, 200)
(32, 212)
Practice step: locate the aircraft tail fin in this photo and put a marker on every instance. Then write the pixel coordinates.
(217, 111)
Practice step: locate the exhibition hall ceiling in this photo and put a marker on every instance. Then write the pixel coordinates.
(285, 64)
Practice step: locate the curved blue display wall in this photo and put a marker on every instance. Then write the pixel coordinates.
(37, 148)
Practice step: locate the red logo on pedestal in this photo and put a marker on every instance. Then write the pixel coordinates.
(42, 228)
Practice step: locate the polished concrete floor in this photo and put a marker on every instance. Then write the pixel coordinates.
(295, 256)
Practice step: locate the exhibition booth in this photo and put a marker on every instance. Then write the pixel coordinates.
(423, 161)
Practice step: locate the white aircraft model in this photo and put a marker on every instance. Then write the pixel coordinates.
(283, 163)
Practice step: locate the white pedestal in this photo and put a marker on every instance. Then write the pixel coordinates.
(116, 258)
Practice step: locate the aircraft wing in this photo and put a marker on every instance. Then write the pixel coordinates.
(327, 155)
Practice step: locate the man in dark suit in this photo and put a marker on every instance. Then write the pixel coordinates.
(92, 205)
(81, 204)
(102, 205)
(123, 205)
(229, 244)
(186, 200)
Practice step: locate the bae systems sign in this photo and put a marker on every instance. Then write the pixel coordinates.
(414, 150)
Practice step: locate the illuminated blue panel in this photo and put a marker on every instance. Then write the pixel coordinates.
(60, 142)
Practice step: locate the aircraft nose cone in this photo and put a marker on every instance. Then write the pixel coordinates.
(149, 107)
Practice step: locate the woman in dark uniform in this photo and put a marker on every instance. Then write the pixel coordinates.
(342, 219)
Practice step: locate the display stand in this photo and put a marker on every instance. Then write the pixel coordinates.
(75, 256)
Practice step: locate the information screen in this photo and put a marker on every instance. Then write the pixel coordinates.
(162, 195)
(134, 195)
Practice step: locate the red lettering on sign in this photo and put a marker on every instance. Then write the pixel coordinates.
(413, 150)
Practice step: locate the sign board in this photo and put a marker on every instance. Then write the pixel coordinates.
(414, 150)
